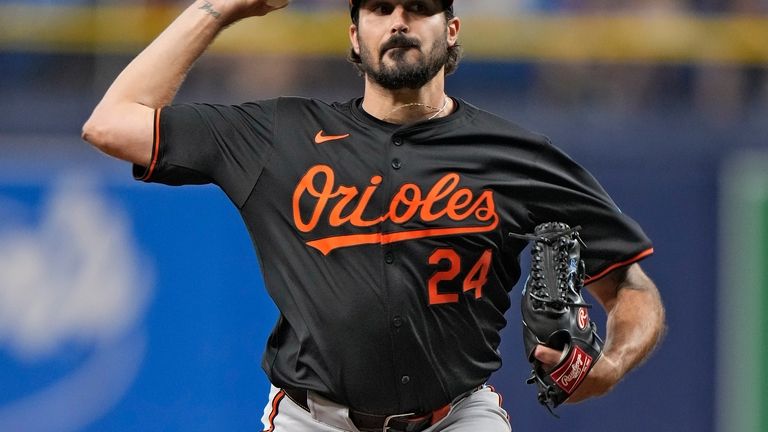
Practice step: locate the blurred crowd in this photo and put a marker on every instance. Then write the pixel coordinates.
(516, 6)
(722, 91)
(512, 6)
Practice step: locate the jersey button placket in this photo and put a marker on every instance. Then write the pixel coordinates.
(398, 319)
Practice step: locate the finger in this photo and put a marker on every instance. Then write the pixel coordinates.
(277, 4)
(547, 356)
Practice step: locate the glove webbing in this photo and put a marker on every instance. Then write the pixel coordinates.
(549, 239)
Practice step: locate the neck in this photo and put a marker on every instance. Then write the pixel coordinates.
(406, 105)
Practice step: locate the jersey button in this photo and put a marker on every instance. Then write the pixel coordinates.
(389, 257)
(396, 163)
(397, 141)
(405, 379)
(397, 321)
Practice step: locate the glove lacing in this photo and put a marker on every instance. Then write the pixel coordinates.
(539, 294)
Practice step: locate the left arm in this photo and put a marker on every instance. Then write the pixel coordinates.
(634, 327)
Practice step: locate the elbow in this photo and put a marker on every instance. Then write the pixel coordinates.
(124, 132)
(97, 132)
(655, 317)
(94, 133)
(661, 321)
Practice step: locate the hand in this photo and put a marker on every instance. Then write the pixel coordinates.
(601, 379)
(235, 10)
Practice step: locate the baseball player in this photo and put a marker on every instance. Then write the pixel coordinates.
(382, 223)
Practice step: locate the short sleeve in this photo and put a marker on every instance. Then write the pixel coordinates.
(562, 190)
(202, 143)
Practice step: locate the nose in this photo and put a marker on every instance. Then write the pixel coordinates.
(399, 20)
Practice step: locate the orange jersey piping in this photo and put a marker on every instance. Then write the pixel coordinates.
(155, 147)
(613, 267)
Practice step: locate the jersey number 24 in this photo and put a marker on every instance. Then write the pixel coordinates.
(475, 278)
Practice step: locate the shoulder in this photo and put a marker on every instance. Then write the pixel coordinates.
(301, 108)
(286, 103)
(483, 121)
(520, 142)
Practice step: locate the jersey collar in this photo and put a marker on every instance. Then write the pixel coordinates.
(360, 114)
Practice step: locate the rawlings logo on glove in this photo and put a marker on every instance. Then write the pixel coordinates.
(569, 375)
(555, 314)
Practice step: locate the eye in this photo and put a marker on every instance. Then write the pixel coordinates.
(418, 7)
(382, 8)
(423, 7)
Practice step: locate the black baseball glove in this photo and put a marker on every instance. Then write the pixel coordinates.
(555, 314)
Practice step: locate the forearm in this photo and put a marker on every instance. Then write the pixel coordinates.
(121, 124)
(635, 322)
(154, 76)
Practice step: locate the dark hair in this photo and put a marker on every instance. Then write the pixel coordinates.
(454, 51)
(355, 11)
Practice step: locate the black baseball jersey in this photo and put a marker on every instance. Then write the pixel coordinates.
(385, 247)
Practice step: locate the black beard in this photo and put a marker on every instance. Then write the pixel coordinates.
(401, 75)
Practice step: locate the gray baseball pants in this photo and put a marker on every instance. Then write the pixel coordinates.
(480, 411)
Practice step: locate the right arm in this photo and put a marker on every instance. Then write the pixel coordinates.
(122, 124)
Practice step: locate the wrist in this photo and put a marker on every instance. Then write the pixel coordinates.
(216, 13)
(227, 12)
(605, 374)
(608, 372)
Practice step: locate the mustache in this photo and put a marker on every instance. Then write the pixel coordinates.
(399, 40)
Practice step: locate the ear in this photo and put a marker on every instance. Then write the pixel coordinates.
(454, 25)
(353, 38)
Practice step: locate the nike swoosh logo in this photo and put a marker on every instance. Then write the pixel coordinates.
(321, 137)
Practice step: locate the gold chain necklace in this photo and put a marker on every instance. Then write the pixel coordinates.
(419, 104)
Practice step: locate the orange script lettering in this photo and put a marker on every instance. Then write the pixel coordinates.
(443, 199)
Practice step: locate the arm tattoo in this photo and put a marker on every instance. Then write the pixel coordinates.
(208, 7)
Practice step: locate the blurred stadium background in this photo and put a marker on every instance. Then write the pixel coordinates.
(127, 307)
